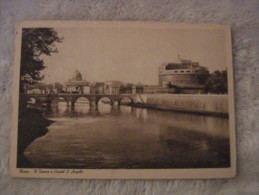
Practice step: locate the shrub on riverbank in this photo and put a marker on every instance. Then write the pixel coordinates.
(32, 124)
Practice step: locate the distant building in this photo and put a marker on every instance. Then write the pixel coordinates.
(126, 88)
(34, 91)
(97, 88)
(76, 84)
(57, 88)
(138, 88)
(112, 87)
(38, 88)
(185, 76)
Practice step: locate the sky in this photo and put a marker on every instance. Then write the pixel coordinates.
(131, 54)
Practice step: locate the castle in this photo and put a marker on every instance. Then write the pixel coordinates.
(185, 76)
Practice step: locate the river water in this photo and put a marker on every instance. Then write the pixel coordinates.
(127, 137)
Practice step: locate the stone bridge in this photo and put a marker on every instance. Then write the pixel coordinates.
(70, 99)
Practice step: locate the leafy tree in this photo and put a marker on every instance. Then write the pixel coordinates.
(35, 43)
(217, 82)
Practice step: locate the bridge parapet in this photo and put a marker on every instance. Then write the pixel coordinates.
(72, 98)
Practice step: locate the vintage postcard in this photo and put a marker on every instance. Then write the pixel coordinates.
(123, 100)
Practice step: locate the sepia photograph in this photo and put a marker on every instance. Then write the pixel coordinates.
(128, 100)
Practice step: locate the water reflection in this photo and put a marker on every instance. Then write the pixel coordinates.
(126, 137)
(215, 126)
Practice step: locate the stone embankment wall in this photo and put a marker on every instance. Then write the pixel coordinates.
(195, 103)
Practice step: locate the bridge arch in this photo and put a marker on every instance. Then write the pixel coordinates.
(81, 97)
(132, 101)
(36, 99)
(105, 97)
(75, 100)
(31, 100)
(60, 98)
(59, 101)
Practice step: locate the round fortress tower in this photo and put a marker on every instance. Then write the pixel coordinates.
(185, 73)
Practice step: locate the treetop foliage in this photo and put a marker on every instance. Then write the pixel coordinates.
(35, 43)
(217, 82)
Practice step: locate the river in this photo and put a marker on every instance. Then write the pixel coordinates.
(128, 137)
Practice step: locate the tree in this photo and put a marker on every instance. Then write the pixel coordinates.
(217, 82)
(35, 43)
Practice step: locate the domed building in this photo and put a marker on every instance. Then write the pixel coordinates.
(77, 76)
(77, 84)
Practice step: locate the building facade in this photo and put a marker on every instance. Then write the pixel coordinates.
(76, 84)
(184, 76)
(112, 87)
(97, 88)
(185, 73)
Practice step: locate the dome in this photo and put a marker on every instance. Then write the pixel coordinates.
(77, 76)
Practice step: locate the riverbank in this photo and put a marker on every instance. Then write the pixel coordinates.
(207, 104)
(32, 124)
